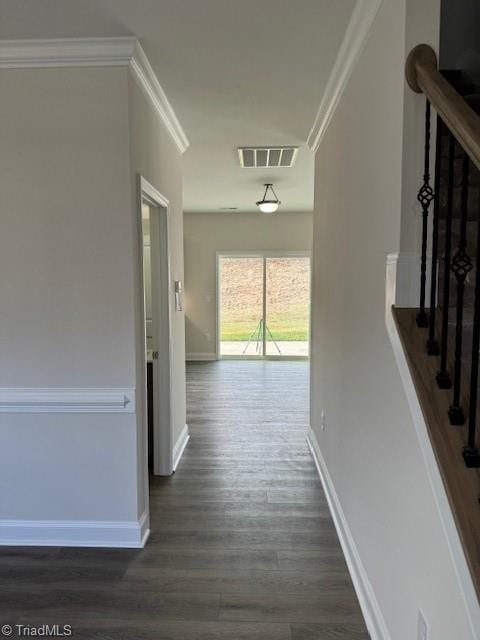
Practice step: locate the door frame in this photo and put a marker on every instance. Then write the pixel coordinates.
(162, 298)
(264, 255)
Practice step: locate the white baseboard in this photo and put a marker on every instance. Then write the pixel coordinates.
(72, 533)
(201, 357)
(144, 524)
(368, 602)
(179, 446)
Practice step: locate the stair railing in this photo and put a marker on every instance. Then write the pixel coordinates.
(457, 162)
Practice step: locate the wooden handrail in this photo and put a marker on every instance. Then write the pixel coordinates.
(423, 77)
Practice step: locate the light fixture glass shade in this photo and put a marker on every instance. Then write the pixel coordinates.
(270, 205)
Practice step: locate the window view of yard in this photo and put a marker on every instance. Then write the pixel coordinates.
(287, 291)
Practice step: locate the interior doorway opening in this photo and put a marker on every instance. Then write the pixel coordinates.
(150, 350)
(156, 337)
(263, 305)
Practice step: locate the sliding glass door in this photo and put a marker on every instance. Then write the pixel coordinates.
(263, 305)
(287, 320)
(241, 305)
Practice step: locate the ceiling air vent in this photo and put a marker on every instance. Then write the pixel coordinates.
(261, 157)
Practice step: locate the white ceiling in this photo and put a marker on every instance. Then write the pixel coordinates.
(237, 73)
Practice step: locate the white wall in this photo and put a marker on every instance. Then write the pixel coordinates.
(369, 445)
(67, 290)
(155, 156)
(71, 144)
(205, 234)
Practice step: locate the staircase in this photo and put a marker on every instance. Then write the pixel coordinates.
(465, 191)
(441, 338)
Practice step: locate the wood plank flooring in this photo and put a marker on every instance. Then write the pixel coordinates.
(242, 544)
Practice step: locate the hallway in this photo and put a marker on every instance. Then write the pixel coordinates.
(242, 544)
(245, 517)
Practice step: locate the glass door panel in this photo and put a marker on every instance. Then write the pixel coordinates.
(287, 319)
(241, 306)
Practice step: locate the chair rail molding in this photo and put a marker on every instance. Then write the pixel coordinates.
(352, 45)
(66, 400)
(96, 52)
(449, 527)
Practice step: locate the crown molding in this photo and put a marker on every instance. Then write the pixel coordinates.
(352, 45)
(66, 52)
(148, 81)
(96, 52)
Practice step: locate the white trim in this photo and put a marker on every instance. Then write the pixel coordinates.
(96, 52)
(455, 547)
(73, 533)
(66, 52)
(65, 400)
(144, 524)
(366, 596)
(148, 81)
(217, 306)
(153, 194)
(265, 358)
(201, 357)
(267, 254)
(352, 45)
(162, 301)
(180, 445)
(408, 279)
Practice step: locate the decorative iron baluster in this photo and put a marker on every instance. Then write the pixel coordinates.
(471, 454)
(432, 346)
(461, 266)
(443, 377)
(425, 197)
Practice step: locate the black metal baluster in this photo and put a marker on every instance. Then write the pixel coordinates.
(461, 266)
(471, 453)
(425, 197)
(433, 348)
(443, 377)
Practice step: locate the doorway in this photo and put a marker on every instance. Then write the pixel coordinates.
(156, 341)
(263, 305)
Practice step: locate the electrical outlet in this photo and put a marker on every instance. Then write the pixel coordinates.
(323, 420)
(422, 627)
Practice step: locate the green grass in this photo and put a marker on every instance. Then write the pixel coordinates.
(285, 327)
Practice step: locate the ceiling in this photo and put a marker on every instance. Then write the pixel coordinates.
(237, 73)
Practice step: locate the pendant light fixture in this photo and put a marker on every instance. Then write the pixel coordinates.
(268, 204)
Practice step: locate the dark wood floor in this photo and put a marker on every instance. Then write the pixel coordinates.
(242, 544)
